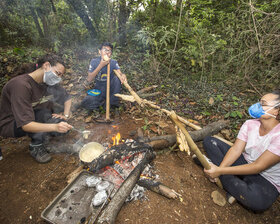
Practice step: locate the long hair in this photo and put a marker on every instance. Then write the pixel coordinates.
(31, 67)
(277, 93)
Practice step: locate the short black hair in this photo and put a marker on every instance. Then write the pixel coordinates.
(106, 44)
(51, 58)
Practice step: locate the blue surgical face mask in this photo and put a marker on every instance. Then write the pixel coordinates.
(51, 79)
(256, 110)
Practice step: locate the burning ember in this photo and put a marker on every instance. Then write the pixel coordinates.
(116, 139)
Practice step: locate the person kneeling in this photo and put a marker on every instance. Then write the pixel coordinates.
(27, 105)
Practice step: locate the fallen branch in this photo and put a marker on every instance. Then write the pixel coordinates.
(141, 91)
(193, 146)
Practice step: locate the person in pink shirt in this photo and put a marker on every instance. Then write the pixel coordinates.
(250, 169)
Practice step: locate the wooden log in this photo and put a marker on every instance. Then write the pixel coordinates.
(193, 146)
(158, 188)
(74, 174)
(110, 213)
(132, 92)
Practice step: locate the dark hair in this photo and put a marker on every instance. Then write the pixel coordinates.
(30, 67)
(106, 44)
(277, 93)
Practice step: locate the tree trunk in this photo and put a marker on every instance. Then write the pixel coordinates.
(37, 24)
(123, 16)
(81, 12)
(53, 7)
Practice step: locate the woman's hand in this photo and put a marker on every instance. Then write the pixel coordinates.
(63, 127)
(213, 172)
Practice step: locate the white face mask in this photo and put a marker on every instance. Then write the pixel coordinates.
(51, 79)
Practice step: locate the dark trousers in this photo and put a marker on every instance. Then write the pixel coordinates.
(41, 116)
(93, 102)
(252, 191)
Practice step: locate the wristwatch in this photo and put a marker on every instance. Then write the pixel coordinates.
(66, 115)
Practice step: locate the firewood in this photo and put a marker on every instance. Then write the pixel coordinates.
(192, 145)
(165, 141)
(158, 188)
(74, 174)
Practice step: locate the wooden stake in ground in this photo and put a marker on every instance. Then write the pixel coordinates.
(192, 145)
(108, 92)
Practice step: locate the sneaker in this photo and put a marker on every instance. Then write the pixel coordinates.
(197, 162)
(231, 200)
(39, 153)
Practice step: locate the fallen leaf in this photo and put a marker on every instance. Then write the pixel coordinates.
(211, 101)
(88, 119)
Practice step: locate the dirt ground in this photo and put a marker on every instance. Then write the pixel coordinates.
(27, 188)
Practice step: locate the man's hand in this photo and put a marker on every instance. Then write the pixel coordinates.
(63, 127)
(86, 84)
(123, 78)
(104, 62)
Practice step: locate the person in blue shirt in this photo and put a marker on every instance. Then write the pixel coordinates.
(98, 71)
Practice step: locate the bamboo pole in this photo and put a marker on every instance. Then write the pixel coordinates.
(132, 92)
(108, 93)
(193, 146)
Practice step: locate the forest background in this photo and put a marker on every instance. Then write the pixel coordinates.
(207, 57)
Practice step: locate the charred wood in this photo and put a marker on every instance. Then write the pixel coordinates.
(112, 210)
(118, 152)
(158, 188)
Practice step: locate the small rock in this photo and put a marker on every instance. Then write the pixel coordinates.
(218, 198)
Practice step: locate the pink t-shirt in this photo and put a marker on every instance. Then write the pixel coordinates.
(256, 145)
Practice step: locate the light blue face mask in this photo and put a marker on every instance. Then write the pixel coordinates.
(256, 110)
(51, 79)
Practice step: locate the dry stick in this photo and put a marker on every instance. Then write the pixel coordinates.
(193, 146)
(134, 94)
(108, 93)
(146, 89)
